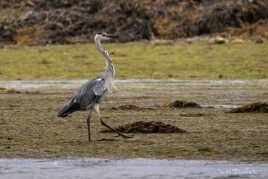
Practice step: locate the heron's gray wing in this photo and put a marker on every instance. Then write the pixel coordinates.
(91, 93)
(86, 97)
(99, 89)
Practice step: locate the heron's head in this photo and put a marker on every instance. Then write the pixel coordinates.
(104, 36)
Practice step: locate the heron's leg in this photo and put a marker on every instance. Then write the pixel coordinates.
(97, 109)
(88, 126)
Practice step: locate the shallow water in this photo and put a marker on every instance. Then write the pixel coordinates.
(131, 168)
(223, 106)
(67, 84)
(224, 94)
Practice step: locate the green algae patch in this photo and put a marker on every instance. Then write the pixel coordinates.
(251, 108)
(199, 60)
(148, 127)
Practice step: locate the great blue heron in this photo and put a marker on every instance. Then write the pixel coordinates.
(89, 95)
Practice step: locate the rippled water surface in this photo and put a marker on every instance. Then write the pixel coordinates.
(20, 84)
(131, 168)
(208, 93)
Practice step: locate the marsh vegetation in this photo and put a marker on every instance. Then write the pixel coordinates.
(200, 60)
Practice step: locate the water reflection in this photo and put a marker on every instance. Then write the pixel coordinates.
(131, 168)
(33, 84)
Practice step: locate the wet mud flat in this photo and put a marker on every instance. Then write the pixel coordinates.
(30, 127)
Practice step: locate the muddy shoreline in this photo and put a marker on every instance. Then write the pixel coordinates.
(32, 130)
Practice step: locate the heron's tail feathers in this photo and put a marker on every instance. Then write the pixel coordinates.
(68, 108)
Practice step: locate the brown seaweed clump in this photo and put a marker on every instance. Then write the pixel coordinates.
(131, 107)
(147, 127)
(192, 115)
(127, 107)
(254, 107)
(183, 104)
(8, 91)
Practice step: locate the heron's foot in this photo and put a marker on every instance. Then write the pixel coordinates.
(128, 137)
(124, 136)
(114, 130)
(104, 139)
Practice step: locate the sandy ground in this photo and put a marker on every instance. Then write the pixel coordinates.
(30, 127)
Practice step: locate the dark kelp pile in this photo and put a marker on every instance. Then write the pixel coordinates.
(183, 104)
(148, 127)
(254, 108)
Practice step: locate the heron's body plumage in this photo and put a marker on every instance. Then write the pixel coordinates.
(86, 97)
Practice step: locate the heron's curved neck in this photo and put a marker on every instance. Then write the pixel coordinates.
(109, 63)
